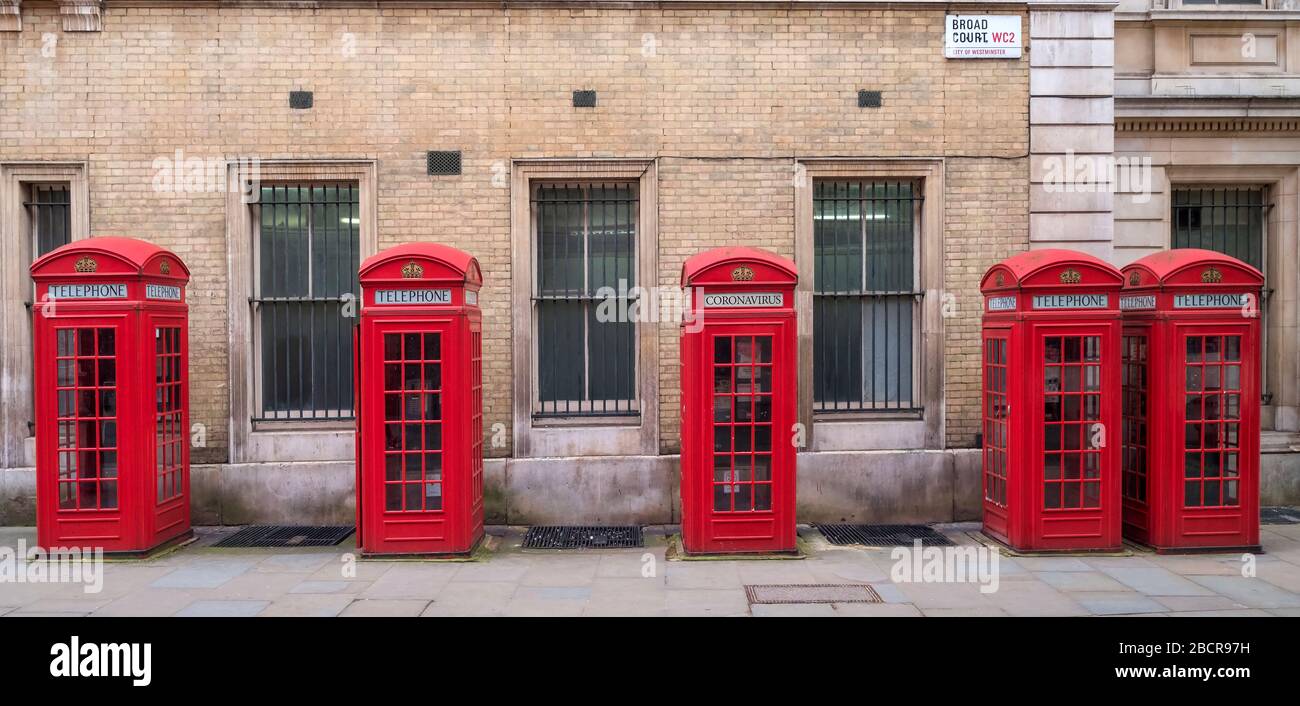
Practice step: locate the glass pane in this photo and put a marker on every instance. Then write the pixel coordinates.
(559, 346)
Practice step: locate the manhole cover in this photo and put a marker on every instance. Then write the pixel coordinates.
(285, 536)
(883, 535)
(1279, 515)
(564, 537)
(812, 593)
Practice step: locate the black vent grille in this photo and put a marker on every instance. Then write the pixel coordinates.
(561, 537)
(443, 163)
(286, 536)
(803, 593)
(300, 100)
(883, 535)
(868, 99)
(584, 99)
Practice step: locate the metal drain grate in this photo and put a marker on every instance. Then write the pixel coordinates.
(583, 537)
(1279, 515)
(883, 535)
(812, 593)
(282, 536)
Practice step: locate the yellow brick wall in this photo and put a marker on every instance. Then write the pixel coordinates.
(725, 99)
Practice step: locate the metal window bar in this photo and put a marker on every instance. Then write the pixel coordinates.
(585, 237)
(1230, 220)
(866, 296)
(306, 254)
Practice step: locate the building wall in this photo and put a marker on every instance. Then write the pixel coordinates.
(724, 101)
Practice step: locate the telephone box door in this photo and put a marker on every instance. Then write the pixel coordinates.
(1219, 464)
(405, 504)
(1073, 364)
(82, 383)
(749, 477)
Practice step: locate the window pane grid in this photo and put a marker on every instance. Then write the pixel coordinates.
(308, 250)
(1134, 389)
(866, 295)
(1212, 421)
(1071, 410)
(167, 416)
(413, 459)
(86, 389)
(996, 419)
(585, 237)
(742, 423)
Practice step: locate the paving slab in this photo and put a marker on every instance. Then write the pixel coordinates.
(472, 598)
(412, 581)
(984, 611)
(1155, 581)
(1198, 603)
(705, 602)
(877, 610)
(1079, 581)
(307, 606)
(203, 574)
(1252, 592)
(792, 610)
(381, 607)
(223, 609)
(149, 602)
(1118, 603)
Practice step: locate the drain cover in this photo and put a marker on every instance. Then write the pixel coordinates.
(812, 593)
(282, 536)
(883, 535)
(1279, 515)
(564, 537)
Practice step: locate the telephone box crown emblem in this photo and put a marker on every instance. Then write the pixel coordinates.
(1000, 279)
(86, 264)
(742, 274)
(165, 267)
(1212, 276)
(1071, 276)
(1135, 278)
(413, 270)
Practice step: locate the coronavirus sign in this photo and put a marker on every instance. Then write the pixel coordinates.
(982, 37)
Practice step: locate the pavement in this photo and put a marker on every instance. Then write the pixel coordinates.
(507, 580)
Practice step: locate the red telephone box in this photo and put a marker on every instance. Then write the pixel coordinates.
(112, 396)
(1051, 377)
(1191, 401)
(420, 412)
(738, 403)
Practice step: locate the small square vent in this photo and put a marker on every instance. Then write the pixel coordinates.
(300, 100)
(443, 162)
(584, 99)
(868, 99)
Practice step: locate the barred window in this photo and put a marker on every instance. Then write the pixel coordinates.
(1227, 220)
(584, 237)
(48, 208)
(866, 295)
(306, 255)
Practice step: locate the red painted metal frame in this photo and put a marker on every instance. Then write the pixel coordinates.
(441, 467)
(707, 530)
(145, 363)
(1077, 507)
(1163, 516)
